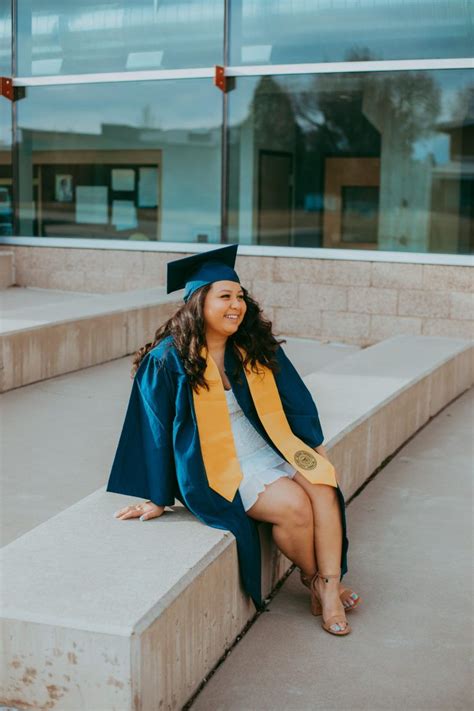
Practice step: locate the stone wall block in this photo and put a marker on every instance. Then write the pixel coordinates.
(347, 327)
(32, 277)
(67, 280)
(422, 303)
(443, 277)
(49, 258)
(104, 282)
(450, 328)
(259, 268)
(382, 327)
(462, 306)
(295, 322)
(369, 300)
(124, 261)
(276, 294)
(345, 273)
(323, 297)
(298, 270)
(134, 282)
(397, 276)
(87, 259)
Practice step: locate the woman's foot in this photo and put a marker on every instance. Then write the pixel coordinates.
(348, 597)
(327, 590)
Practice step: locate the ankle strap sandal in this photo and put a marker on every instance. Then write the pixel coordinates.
(334, 623)
(349, 598)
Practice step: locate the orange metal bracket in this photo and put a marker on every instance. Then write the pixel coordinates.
(220, 78)
(6, 88)
(223, 82)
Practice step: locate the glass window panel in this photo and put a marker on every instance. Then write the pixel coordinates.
(136, 161)
(6, 195)
(294, 31)
(57, 37)
(368, 161)
(5, 38)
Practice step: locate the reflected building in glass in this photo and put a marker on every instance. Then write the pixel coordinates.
(341, 125)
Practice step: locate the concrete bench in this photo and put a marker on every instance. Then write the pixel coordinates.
(46, 333)
(105, 614)
(85, 411)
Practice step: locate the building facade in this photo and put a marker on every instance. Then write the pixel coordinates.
(335, 130)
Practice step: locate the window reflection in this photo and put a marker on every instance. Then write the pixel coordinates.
(380, 161)
(6, 195)
(5, 38)
(129, 161)
(284, 32)
(79, 37)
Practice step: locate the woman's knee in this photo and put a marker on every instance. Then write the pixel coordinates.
(321, 496)
(299, 511)
(283, 503)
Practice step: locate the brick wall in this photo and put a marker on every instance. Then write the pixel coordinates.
(338, 300)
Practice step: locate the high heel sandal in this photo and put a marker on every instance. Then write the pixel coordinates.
(333, 619)
(346, 595)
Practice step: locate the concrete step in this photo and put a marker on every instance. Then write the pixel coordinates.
(85, 411)
(7, 272)
(128, 615)
(47, 333)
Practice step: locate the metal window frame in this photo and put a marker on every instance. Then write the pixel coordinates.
(251, 70)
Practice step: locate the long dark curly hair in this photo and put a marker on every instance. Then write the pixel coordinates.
(187, 327)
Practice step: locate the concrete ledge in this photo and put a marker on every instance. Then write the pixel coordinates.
(48, 339)
(380, 396)
(129, 616)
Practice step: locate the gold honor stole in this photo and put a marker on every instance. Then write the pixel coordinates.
(220, 457)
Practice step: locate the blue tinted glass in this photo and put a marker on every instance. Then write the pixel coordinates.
(57, 37)
(6, 196)
(293, 31)
(5, 38)
(374, 161)
(134, 160)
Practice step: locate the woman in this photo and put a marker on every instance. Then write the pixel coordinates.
(215, 404)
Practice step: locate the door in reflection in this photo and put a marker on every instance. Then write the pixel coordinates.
(275, 198)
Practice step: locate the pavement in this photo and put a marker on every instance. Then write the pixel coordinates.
(410, 558)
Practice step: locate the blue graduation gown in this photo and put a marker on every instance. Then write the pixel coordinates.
(159, 458)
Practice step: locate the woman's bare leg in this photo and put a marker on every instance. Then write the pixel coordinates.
(327, 523)
(288, 508)
(327, 541)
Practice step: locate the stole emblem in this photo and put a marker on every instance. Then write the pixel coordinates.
(305, 460)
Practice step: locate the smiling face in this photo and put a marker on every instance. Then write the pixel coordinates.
(224, 308)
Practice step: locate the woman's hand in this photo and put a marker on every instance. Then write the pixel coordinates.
(144, 511)
(322, 451)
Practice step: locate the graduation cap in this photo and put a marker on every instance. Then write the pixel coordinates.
(193, 272)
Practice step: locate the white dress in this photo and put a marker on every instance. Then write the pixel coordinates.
(259, 463)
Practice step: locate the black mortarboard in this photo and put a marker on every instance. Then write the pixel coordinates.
(193, 272)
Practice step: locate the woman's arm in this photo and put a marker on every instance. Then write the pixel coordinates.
(298, 404)
(144, 465)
